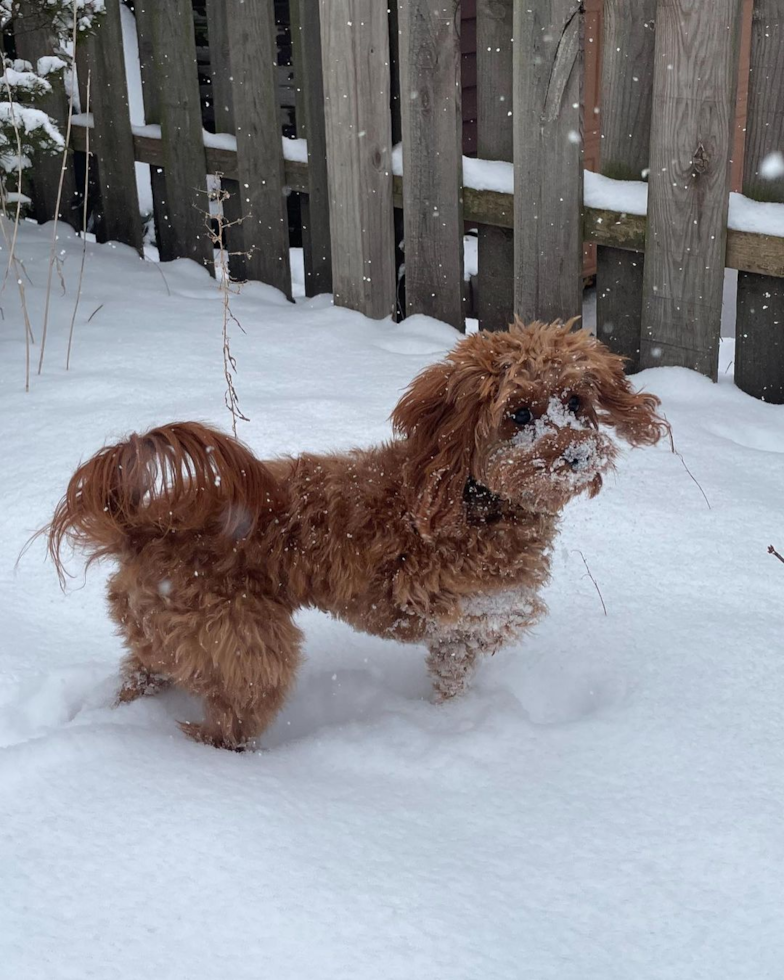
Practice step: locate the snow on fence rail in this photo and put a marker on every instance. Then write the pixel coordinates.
(669, 81)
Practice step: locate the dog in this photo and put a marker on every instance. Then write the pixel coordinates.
(441, 536)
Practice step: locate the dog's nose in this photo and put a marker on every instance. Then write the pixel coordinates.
(573, 461)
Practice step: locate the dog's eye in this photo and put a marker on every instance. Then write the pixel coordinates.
(574, 404)
(522, 416)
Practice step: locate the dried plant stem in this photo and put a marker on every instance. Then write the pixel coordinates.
(595, 585)
(224, 284)
(683, 463)
(84, 226)
(12, 259)
(772, 551)
(63, 168)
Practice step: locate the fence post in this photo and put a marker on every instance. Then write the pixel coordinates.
(694, 86)
(185, 165)
(253, 57)
(432, 159)
(152, 116)
(112, 146)
(547, 99)
(759, 331)
(223, 105)
(34, 40)
(626, 98)
(355, 51)
(495, 132)
(309, 78)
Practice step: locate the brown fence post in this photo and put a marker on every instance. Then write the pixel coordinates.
(33, 41)
(495, 133)
(692, 125)
(759, 332)
(432, 159)
(309, 78)
(547, 98)
(152, 116)
(112, 144)
(626, 98)
(355, 52)
(181, 129)
(253, 57)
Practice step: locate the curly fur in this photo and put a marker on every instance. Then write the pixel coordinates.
(440, 536)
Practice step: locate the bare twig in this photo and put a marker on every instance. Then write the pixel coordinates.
(683, 463)
(100, 307)
(63, 168)
(595, 585)
(84, 226)
(224, 284)
(157, 266)
(772, 551)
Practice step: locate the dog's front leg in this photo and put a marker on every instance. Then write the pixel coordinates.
(451, 662)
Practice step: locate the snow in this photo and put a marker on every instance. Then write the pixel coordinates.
(631, 197)
(772, 167)
(604, 804)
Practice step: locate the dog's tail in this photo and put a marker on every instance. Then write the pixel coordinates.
(177, 478)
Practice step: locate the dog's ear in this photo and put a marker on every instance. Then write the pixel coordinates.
(438, 416)
(632, 414)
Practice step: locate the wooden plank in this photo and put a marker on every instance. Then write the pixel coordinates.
(355, 52)
(759, 331)
(33, 40)
(120, 219)
(184, 161)
(432, 159)
(310, 113)
(695, 82)
(223, 107)
(253, 57)
(548, 158)
(152, 115)
(626, 100)
(495, 137)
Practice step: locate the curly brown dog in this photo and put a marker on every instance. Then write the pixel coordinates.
(440, 537)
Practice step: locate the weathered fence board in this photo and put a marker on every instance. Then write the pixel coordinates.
(181, 127)
(120, 220)
(355, 52)
(548, 158)
(223, 107)
(759, 332)
(695, 82)
(33, 40)
(144, 29)
(626, 99)
(432, 159)
(253, 58)
(495, 133)
(317, 245)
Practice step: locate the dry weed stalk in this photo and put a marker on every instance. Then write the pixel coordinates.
(595, 584)
(217, 235)
(84, 225)
(12, 258)
(63, 168)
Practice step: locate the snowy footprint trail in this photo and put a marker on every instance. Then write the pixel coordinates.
(605, 803)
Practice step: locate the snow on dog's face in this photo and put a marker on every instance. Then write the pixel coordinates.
(519, 413)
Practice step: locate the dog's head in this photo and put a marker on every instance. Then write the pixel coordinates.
(519, 413)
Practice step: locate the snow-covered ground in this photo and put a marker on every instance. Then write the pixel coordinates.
(606, 802)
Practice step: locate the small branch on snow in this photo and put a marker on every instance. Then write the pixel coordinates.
(683, 463)
(772, 551)
(595, 585)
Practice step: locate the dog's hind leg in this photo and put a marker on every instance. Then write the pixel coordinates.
(246, 662)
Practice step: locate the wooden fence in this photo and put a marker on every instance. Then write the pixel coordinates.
(366, 78)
